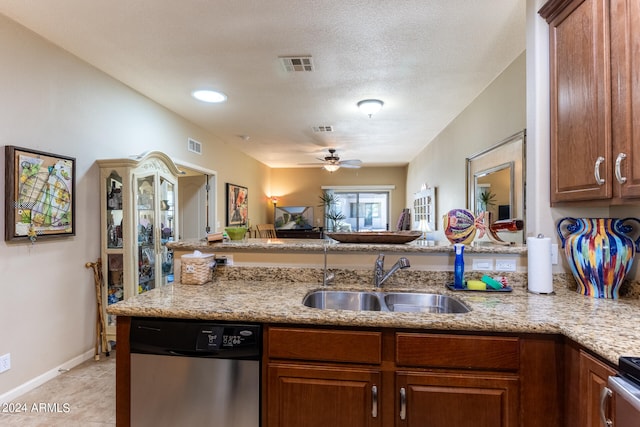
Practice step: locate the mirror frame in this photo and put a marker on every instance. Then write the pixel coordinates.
(510, 151)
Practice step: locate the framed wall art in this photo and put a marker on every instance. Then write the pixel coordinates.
(39, 194)
(237, 205)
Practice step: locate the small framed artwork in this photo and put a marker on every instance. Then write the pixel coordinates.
(39, 195)
(237, 205)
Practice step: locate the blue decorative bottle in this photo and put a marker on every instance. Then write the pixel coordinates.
(458, 266)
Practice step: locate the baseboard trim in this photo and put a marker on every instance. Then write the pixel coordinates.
(32, 384)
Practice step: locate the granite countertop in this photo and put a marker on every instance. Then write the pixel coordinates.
(609, 328)
(317, 245)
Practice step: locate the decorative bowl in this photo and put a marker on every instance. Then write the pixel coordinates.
(236, 233)
(375, 236)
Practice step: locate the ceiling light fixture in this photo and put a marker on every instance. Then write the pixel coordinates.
(210, 96)
(370, 106)
(331, 168)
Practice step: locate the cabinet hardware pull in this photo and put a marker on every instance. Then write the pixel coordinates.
(605, 394)
(621, 179)
(596, 170)
(374, 402)
(403, 403)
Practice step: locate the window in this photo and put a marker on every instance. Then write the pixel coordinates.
(362, 208)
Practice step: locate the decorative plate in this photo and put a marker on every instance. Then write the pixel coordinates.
(459, 226)
(375, 236)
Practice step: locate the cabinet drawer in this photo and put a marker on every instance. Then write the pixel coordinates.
(325, 345)
(458, 352)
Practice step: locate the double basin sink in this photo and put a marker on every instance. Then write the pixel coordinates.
(384, 301)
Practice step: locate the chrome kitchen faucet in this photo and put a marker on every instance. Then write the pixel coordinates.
(327, 277)
(379, 276)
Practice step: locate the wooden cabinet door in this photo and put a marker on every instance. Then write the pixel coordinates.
(593, 378)
(456, 399)
(625, 102)
(322, 396)
(580, 100)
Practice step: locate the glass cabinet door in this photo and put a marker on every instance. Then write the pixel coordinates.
(114, 259)
(145, 216)
(114, 211)
(167, 227)
(115, 283)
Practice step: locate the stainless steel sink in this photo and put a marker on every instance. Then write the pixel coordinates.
(384, 301)
(343, 300)
(424, 303)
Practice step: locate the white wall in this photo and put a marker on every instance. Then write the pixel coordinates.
(497, 113)
(53, 102)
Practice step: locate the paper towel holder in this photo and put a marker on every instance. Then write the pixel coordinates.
(538, 292)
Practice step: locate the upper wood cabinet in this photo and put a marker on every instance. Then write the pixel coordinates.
(625, 96)
(594, 82)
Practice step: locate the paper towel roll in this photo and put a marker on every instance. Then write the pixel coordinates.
(540, 278)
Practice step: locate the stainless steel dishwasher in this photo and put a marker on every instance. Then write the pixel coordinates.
(194, 373)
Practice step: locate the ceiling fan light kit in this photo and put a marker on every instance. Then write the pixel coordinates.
(370, 106)
(331, 168)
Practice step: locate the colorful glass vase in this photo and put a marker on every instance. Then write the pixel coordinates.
(600, 253)
(460, 226)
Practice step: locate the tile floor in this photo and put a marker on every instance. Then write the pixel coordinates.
(81, 397)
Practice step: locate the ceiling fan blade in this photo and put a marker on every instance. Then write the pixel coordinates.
(353, 162)
(349, 166)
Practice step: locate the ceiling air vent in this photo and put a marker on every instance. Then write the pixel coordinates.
(194, 146)
(322, 129)
(297, 63)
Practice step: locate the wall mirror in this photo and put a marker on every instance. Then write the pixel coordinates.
(496, 183)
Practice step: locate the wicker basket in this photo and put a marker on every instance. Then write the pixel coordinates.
(197, 270)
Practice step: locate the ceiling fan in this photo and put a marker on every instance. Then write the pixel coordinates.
(332, 162)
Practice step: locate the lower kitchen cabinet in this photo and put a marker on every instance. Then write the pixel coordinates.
(593, 378)
(585, 377)
(321, 396)
(319, 377)
(464, 380)
(457, 399)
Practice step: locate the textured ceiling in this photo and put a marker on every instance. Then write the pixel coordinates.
(427, 60)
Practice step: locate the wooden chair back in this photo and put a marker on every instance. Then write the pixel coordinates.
(266, 231)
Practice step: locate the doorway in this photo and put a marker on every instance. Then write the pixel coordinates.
(196, 202)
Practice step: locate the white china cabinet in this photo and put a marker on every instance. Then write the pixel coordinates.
(138, 217)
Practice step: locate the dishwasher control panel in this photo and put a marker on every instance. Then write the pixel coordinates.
(175, 337)
(213, 338)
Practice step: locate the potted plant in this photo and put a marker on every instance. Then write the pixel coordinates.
(486, 199)
(332, 212)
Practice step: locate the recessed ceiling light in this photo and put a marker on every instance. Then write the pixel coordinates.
(209, 96)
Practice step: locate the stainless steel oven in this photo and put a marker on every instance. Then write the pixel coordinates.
(625, 389)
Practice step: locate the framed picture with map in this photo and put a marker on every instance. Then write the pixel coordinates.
(39, 195)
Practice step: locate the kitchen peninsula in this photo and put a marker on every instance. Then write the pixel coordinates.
(424, 255)
(527, 349)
